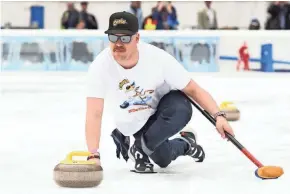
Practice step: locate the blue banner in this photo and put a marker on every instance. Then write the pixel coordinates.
(75, 53)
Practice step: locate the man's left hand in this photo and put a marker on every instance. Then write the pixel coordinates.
(222, 125)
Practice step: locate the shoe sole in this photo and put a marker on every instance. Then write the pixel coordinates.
(146, 172)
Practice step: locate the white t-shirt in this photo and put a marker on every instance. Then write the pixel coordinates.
(135, 92)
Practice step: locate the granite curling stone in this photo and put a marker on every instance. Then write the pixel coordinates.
(77, 173)
(232, 113)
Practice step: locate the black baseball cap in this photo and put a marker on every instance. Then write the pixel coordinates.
(123, 23)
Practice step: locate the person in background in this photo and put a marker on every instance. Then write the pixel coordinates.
(165, 15)
(88, 20)
(149, 23)
(70, 18)
(254, 24)
(135, 9)
(279, 16)
(207, 18)
(244, 57)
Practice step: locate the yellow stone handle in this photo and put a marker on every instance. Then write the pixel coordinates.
(227, 105)
(77, 153)
(69, 158)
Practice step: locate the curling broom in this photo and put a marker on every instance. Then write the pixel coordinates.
(263, 172)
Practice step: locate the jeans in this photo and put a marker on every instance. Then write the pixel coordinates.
(173, 113)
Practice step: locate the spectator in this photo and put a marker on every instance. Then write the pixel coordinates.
(88, 20)
(149, 23)
(255, 24)
(70, 18)
(279, 16)
(207, 18)
(135, 8)
(165, 15)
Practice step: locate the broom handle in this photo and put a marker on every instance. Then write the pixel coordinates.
(228, 135)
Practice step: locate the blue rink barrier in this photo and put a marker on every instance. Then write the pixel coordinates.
(267, 62)
(75, 53)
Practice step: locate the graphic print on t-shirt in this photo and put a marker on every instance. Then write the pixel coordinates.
(137, 98)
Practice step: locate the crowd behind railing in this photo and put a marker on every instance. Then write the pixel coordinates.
(164, 16)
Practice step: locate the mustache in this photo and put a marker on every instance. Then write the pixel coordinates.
(119, 48)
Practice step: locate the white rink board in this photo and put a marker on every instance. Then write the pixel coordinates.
(42, 119)
(229, 43)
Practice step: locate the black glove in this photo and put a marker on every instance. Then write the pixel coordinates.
(122, 142)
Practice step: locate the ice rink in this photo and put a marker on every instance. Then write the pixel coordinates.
(42, 118)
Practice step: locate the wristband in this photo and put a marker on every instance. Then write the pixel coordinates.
(95, 151)
(94, 156)
(220, 113)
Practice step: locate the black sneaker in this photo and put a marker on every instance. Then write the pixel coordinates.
(142, 162)
(195, 151)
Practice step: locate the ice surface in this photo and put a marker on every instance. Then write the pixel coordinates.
(42, 119)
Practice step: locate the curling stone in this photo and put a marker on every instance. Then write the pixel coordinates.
(77, 173)
(233, 114)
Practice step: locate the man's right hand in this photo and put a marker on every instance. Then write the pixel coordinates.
(98, 161)
(93, 157)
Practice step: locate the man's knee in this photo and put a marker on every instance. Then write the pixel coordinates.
(177, 111)
(180, 109)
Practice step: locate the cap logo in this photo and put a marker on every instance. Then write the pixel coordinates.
(119, 21)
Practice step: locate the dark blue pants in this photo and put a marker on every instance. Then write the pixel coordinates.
(173, 113)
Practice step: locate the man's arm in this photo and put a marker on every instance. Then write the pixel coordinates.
(205, 100)
(96, 84)
(177, 77)
(93, 122)
(202, 97)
